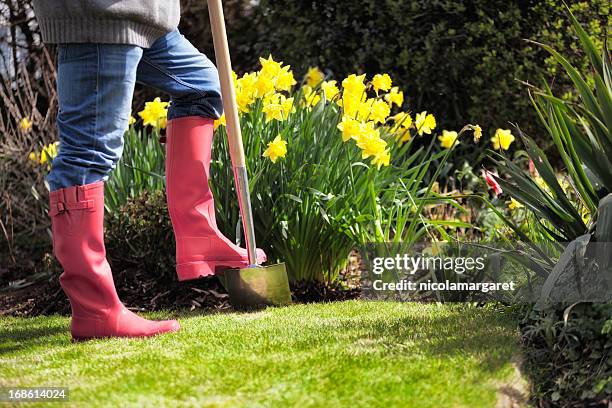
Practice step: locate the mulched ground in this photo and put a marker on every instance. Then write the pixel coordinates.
(43, 294)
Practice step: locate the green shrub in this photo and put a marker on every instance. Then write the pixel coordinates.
(568, 358)
(139, 234)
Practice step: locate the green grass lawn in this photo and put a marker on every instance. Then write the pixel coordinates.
(354, 353)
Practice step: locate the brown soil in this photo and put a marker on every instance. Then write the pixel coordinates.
(43, 295)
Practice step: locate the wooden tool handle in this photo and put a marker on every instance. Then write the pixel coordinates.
(224, 66)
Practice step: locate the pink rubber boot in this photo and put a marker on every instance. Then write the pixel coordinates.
(201, 249)
(77, 221)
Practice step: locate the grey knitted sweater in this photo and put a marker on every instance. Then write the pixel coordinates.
(137, 22)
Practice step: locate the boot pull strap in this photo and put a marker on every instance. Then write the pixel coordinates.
(60, 207)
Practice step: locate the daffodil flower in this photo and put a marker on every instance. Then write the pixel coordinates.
(276, 149)
(219, 122)
(448, 139)
(502, 139)
(477, 133)
(353, 85)
(395, 96)
(285, 79)
(425, 123)
(380, 111)
(381, 82)
(330, 90)
(314, 77)
(382, 158)
(155, 113)
(269, 67)
(311, 98)
(514, 205)
(25, 124)
(350, 128)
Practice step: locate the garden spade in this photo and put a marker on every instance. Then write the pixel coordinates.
(254, 286)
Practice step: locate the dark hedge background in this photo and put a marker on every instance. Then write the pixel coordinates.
(463, 60)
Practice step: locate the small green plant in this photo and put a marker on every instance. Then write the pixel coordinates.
(140, 169)
(139, 236)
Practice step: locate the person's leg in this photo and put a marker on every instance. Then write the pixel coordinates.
(95, 84)
(173, 65)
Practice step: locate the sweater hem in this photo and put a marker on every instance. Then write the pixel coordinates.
(57, 31)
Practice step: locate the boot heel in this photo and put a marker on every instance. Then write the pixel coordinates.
(194, 270)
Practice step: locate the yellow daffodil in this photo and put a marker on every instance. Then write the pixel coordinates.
(287, 106)
(311, 98)
(350, 128)
(33, 156)
(269, 67)
(155, 113)
(353, 85)
(425, 123)
(220, 122)
(364, 109)
(246, 91)
(131, 120)
(382, 158)
(244, 101)
(395, 96)
(502, 139)
(381, 82)
(314, 76)
(370, 142)
(48, 153)
(25, 124)
(330, 89)
(278, 107)
(264, 85)
(447, 139)
(374, 109)
(247, 82)
(285, 79)
(380, 111)
(477, 133)
(352, 103)
(402, 135)
(276, 148)
(403, 119)
(273, 111)
(514, 205)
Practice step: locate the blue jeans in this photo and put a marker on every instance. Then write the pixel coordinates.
(95, 84)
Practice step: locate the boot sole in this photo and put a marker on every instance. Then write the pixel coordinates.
(79, 339)
(195, 270)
